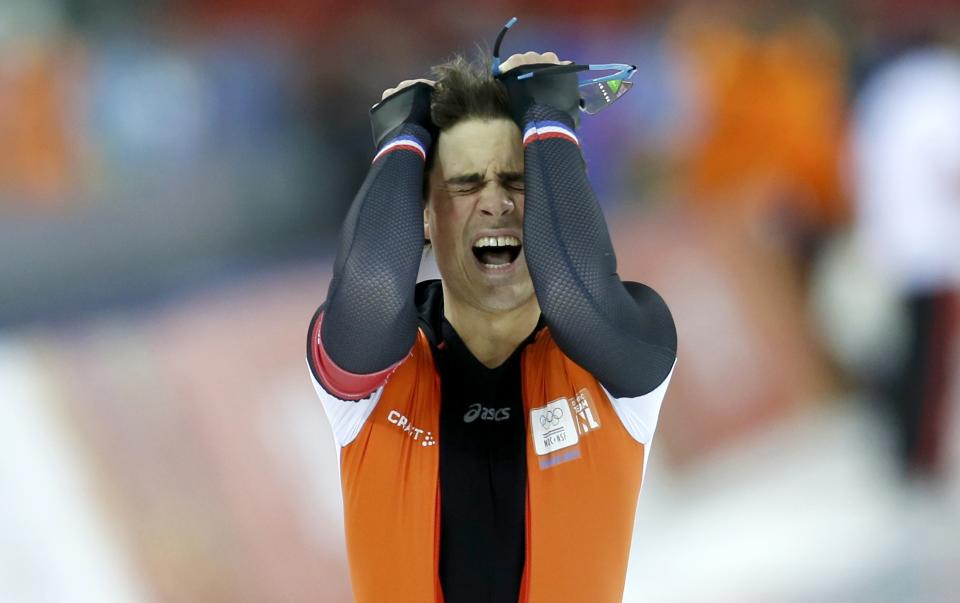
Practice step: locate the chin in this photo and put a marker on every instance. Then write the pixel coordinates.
(506, 297)
(488, 291)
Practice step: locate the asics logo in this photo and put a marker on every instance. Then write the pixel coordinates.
(478, 411)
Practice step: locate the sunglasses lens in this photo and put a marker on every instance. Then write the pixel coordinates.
(599, 95)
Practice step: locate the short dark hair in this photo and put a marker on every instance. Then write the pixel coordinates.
(466, 89)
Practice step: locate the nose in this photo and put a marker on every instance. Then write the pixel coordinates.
(497, 202)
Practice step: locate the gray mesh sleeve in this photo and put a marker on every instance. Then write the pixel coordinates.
(369, 317)
(622, 333)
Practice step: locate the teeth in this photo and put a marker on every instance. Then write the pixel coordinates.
(497, 242)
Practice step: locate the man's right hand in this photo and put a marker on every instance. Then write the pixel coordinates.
(405, 84)
(406, 103)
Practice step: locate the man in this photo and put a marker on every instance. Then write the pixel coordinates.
(905, 145)
(494, 425)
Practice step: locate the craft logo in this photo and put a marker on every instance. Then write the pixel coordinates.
(414, 432)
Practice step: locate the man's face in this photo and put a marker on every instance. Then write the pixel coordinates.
(474, 214)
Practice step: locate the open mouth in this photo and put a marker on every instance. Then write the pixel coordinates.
(497, 253)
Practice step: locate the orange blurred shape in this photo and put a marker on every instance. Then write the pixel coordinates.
(774, 113)
(34, 154)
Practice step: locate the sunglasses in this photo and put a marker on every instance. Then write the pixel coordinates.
(596, 93)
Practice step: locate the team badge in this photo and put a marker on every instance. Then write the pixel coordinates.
(560, 425)
(553, 427)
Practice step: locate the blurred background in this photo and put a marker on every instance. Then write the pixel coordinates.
(173, 174)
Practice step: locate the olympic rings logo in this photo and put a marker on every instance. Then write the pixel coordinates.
(551, 418)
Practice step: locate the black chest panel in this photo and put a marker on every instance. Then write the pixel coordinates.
(483, 475)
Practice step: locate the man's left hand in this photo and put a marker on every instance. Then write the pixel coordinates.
(531, 58)
(560, 91)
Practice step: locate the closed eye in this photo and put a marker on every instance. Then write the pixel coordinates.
(464, 189)
(512, 181)
(468, 184)
(464, 184)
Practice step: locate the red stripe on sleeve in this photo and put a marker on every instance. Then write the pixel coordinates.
(549, 135)
(339, 382)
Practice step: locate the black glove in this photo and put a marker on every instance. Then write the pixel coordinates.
(408, 106)
(558, 90)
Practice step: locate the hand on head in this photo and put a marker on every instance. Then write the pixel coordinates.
(531, 58)
(516, 60)
(405, 84)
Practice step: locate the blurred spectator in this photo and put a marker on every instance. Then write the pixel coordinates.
(770, 84)
(35, 162)
(906, 177)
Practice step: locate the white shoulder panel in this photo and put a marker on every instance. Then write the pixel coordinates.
(639, 415)
(346, 416)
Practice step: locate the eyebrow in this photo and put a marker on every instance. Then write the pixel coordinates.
(477, 177)
(465, 179)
